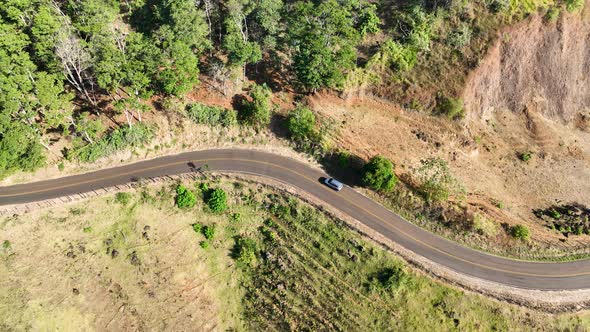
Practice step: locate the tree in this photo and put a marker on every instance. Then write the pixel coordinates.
(44, 29)
(217, 200)
(244, 251)
(88, 127)
(324, 37)
(301, 123)
(54, 103)
(181, 71)
(75, 61)
(20, 147)
(378, 174)
(181, 20)
(257, 110)
(185, 198)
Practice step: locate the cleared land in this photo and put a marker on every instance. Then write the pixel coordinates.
(97, 264)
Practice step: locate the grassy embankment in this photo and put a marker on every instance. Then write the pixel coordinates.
(272, 262)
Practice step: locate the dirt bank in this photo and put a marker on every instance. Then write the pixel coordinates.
(535, 64)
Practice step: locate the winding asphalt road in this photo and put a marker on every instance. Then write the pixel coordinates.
(521, 274)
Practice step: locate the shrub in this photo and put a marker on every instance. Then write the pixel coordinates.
(6, 244)
(197, 228)
(398, 56)
(229, 118)
(484, 226)
(87, 229)
(552, 14)
(204, 244)
(118, 139)
(450, 107)
(208, 232)
(388, 279)
(61, 166)
(217, 200)
(525, 156)
(204, 114)
(520, 232)
(574, 5)
(244, 251)
(211, 115)
(257, 111)
(301, 123)
(344, 159)
(185, 198)
(378, 174)
(235, 217)
(460, 37)
(122, 198)
(436, 182)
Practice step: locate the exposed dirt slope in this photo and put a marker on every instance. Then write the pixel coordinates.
(536, 63)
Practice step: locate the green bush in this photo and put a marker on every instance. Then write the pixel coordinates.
(122, 198)
(208, 232)
(344, 159)
(552, 14)
(211, 115)
(450, 107)
(525, 156)
(460, 37)
(574, 5)
(197, 228)
(217, 200)
(378, 174)
(388, 279)
(301, 123)
(400, 57)
(256, 111)
(520, 232)
(229, 118)
(244, 251)
(185, 198)
(119, 139)
(204, 244)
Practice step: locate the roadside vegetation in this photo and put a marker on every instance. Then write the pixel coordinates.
(269, 261)
(87, 71)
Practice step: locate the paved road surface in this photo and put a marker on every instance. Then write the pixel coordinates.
(529, 275)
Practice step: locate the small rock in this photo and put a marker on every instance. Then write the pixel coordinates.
(146, 236)
(134, 259)
(108, 242)
(71, 254)
(146, 227)
(76, 291)
(114, 253)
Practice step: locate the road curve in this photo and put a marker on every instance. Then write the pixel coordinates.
(521, 274)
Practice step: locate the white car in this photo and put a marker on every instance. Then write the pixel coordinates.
(334, 184)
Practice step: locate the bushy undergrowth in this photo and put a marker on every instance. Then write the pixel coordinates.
(520, 232)
(567, 219)
(121, 138)
(211, 115)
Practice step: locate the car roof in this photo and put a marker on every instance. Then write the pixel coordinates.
(335, 182)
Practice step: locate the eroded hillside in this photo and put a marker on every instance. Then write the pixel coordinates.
(536, 65)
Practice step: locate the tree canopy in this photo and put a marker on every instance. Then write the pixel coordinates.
(378, 174)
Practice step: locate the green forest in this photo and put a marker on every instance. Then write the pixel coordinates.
(63, 62)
